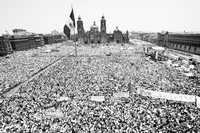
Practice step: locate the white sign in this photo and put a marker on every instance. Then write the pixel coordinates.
(168, 96)
(97, 98)
(158, 48)
(190, 74)
(56, 113)
(47, 51)
(63, 99)
(191, 66)
(121, 94)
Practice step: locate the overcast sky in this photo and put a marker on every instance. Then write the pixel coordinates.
(43, 16)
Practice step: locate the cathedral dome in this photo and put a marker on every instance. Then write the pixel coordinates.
(94, 27)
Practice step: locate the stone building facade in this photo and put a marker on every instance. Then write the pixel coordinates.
(103, 30)
(94, 35)
(184, 42)
(118, 36)
(80, 29)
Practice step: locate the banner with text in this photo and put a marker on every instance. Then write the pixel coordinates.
(168, 96)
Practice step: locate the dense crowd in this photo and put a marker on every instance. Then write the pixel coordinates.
(21, 65)
(168, 79)
(37, 107)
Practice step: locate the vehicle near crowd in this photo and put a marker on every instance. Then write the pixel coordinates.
(156, 53)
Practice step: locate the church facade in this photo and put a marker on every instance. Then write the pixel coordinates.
(96, 35)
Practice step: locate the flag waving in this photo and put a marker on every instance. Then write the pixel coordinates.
(67, 31)
(70, 25)
(72, 18)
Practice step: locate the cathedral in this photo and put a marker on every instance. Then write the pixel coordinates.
(94, 35)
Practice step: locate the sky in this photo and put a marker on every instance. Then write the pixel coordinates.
(44, 16)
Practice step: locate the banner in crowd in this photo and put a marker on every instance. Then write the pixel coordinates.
(97, 98)
(121, 94)
(63, 98)
(167, 96)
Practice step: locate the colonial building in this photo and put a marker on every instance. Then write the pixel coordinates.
(80, 29)
(96, 36)
(184, 42)
(103, 30)
(126, 37)
(118, 36)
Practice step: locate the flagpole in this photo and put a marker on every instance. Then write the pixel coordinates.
(71, 27)
(75, 46)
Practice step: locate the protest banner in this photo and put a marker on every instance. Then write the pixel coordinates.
(121, 94)
(63, 98)
(54, 113)
(97, 98)
(167, 96)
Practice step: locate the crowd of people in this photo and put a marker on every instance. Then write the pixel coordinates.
(38, 106)
(21, 65)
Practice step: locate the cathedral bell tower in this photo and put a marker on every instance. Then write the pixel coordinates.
(80, 29)
(103, 30)
(103, 25)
